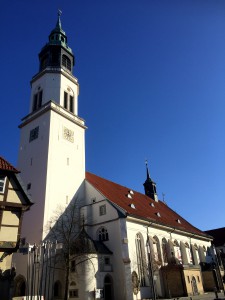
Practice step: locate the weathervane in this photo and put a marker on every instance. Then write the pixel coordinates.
(59, 12)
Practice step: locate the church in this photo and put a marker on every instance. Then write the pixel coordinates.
(138, 247)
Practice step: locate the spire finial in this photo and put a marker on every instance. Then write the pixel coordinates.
(146, 163)
(58, 24)
(59, 12)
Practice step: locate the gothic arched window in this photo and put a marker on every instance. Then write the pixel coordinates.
(156, 249)
(141, 260)
(177, 251)
(103, 234)
(164, 250)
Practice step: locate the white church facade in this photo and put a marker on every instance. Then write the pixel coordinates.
(139, 248)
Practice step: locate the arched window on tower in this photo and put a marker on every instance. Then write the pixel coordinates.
(68, 102)
(103, 234)
(66, 62)
(37, 99)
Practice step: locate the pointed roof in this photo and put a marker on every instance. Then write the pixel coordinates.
(58, 27)
(140, 206)
(6, 166)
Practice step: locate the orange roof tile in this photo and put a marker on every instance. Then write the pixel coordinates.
(144, 208)
(6, 166)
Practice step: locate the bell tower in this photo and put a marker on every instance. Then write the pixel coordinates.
(52, 141)
(150, 186)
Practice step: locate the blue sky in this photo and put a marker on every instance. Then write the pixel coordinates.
(152, 86)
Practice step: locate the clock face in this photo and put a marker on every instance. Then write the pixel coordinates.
(68, 135)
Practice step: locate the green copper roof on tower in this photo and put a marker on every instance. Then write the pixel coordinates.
(57, 53)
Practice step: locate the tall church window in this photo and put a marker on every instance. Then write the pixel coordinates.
(66, 62)
(202, 253)
(195, 253)
(177, 251)
(189, 254)
(164, 250)
(156, 250)
(141, 260)
(103, 234)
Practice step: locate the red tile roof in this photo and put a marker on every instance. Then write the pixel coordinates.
(118, 194)
(6, 166)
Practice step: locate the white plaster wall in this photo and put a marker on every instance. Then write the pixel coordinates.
(66, 164)
(134, 227)
(32, 162)
(54, 166)
(116, 228)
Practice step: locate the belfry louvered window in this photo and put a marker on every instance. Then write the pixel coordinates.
(66, 62)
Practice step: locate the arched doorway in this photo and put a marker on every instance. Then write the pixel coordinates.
(57, 289)
(108, 288)
(20, 286)
(194, 286)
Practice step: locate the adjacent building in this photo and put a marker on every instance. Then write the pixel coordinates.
(14, 201)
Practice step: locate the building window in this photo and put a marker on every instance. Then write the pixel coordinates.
(103, 234)
(28, 186)
(141, 263)
(65, 100)
(34, 134)
(177, 251)
(2, 183)
(156, 250)
(73, 266)
(189, 254)
(71, 104)
(102, 210)
(66, 62)
(107, 261)
(74, 294)
(37, 100)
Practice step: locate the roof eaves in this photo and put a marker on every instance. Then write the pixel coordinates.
(168, 227)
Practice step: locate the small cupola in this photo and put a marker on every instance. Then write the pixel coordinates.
(150, 186)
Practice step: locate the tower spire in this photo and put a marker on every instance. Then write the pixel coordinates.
(146, 163)
(150, 185)
(58, 24)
